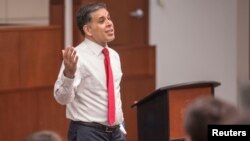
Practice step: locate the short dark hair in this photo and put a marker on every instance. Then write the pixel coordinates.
(83, 15)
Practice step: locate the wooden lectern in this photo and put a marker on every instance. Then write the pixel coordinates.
(160, 114)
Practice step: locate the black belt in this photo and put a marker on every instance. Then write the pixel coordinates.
(99, 126)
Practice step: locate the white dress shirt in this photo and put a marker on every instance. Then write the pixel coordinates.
(86, 95)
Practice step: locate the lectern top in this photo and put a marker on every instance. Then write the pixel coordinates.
(212, 84)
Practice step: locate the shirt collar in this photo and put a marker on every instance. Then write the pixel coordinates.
(94, 47)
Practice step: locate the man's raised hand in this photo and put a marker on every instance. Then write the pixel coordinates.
(70, 62)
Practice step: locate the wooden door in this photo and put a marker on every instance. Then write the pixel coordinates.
(129, 28)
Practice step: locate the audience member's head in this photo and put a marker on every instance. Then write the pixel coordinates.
(44, 136)
(204, 111)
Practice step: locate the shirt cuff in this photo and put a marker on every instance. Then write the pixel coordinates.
(67, 82)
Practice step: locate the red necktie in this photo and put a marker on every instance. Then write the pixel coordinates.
(110, 87)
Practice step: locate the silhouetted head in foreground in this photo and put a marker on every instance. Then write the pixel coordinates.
(205, 111)
(43, 136)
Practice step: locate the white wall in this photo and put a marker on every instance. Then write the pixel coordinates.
(196, 40)
(2, 10)
(24, 11)
(243, 53)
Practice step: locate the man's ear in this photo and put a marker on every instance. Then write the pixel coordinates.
(87, 30)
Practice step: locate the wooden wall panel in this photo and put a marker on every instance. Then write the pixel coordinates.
(18, 115)
(9, 60)
(138, 66)
(133, 89)
(29, 110)
(137, 60)
(31, 58)
(51, 114)
(40, 52)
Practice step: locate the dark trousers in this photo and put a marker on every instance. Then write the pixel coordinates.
(80, 132)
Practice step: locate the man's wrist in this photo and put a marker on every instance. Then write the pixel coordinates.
(69, 75)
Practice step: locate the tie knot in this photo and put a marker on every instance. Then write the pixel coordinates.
(105, 52)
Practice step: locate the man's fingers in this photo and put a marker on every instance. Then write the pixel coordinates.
(63, 53)
(73, 54)
(64, 57)
(68, 52)
(70, 60)
(69, 57)
(76, 59)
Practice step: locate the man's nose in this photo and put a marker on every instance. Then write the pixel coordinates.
(109, 23)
